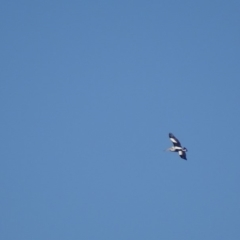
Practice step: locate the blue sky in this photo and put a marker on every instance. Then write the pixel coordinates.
(90, 91)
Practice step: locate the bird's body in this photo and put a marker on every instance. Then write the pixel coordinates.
(177, 147)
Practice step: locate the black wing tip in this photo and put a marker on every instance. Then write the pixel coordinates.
(183, 155)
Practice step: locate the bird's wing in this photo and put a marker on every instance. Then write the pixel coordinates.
(182, 155)
(174, 140)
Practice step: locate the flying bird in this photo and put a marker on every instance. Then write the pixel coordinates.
(177, 147)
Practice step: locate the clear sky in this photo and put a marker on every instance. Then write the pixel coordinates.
(89, 91)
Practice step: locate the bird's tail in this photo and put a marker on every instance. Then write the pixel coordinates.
(166, 150)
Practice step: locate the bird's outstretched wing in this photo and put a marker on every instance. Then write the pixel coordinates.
(182, 155)
(174, 140)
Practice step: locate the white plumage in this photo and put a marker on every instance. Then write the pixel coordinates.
(177, 147)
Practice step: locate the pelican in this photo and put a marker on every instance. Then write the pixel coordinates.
(177, 147)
